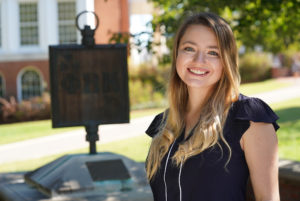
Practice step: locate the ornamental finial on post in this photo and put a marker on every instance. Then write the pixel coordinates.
(87, 33)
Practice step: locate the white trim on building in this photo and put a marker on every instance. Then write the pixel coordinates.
(82, 5)
(11, 50)
(48, 23)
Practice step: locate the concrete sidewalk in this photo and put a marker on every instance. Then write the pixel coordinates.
(71, 140)
(45, 146)
(282, 94)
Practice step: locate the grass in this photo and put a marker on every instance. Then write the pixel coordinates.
(136, 148)
(28, 130)
(289, 132)
(260, 87)
(145, 112)
(16, 132)
(125, 147)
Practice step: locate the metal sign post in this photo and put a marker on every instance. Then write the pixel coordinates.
(89, 87)
(89, 84)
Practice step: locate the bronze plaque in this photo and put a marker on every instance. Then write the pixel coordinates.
(107, 170)
(89, 85)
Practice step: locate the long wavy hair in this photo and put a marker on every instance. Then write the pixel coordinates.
(209, 129)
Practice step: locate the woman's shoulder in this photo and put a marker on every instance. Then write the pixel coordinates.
(156, 123)
(253, 109)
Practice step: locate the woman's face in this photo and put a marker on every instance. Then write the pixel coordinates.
(198, 62)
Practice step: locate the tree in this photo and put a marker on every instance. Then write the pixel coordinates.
(272, 24)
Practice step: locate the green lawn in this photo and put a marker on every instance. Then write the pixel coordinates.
(145, 112)
(23, 131)
(27, 130)
(125, 147)
(260, 87)
(136, 148)
(289, 132)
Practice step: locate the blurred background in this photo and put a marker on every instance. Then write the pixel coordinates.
(268, 39)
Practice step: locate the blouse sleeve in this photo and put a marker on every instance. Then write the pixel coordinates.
(153, 129)
(256, 110)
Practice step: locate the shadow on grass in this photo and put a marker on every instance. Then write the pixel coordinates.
(288, 114)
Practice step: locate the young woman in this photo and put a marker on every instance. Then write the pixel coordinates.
(211, 138)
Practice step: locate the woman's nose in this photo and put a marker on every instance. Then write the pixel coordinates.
(200, 57)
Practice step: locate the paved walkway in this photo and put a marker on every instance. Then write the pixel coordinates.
(282, 94)
(44, 146)
(71, 140)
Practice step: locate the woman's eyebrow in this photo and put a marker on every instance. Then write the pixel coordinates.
(190, 42)
(193, 43)
(213, 47)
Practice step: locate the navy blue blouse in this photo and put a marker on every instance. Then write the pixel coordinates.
(203, 177)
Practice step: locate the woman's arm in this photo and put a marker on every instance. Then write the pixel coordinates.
(260, 145)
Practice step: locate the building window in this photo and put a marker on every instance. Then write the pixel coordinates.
(29, 23)
(31, 84)
(1, 86)
(66, 22)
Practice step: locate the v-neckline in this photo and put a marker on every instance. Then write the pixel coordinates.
(181, 137)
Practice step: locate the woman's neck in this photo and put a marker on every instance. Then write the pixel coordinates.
(197, 97)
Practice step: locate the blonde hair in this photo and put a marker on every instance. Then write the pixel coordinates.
(209, 129)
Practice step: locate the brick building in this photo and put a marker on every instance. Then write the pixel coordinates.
(28, 27)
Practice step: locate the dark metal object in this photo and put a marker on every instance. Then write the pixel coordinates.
(92, 136)
(106, 170)
(87, 33)
(89, 85)
(83, 12)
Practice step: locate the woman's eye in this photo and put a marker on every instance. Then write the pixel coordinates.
(213, 53)
(189, 49)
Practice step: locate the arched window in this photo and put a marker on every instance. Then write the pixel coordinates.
(31, 84)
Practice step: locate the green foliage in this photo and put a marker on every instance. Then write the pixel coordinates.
(255, 67)
(287, 58)
(119, 38)
(273, 24)
(147, 87)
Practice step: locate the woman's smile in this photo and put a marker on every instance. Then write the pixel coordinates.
(198, 71)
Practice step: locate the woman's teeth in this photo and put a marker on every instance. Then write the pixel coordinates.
(198, 72)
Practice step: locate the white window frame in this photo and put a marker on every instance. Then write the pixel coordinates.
(11, 50)
(19, 80)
